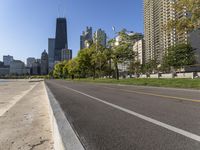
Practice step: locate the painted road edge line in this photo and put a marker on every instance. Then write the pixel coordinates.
(151, 120)
(64, 136)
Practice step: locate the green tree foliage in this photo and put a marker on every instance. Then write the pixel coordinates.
(179, 55)
(134, 67)
(123, 51)
(92, 59)
(191, 21)
(84, 59)
(96, 60)
(65, 70)
(58, 70)
(150, 67)
(73, 68)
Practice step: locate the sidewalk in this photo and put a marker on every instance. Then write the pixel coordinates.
(26, 123)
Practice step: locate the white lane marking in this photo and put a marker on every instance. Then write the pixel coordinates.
(16, 99)
(156, 122)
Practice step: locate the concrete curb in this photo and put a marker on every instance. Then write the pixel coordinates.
(63, 135)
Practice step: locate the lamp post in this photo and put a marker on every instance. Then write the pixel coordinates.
(114, 44)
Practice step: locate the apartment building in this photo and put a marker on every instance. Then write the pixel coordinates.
(157, 14)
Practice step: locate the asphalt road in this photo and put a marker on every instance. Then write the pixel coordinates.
(116, 117)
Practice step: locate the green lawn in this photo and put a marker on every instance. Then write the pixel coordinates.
(176, 83)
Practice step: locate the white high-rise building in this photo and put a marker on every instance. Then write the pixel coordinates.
(139, 49)
(157, 14)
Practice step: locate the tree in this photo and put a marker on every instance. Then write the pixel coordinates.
(58, 70)
(86, 60)
(65, 70)
(123, 51)
(150, 67)
(189, 22)
(179, 55)
(73, 68)
(134, 67)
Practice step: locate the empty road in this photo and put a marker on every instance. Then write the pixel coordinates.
(117, 117)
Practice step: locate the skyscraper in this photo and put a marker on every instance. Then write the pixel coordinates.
(66, 54)
(138, 48)
(153, 32)
(157, 14)
(51, 49)
(36, 67)
(44, 63)
(101, 37)
(30, 61)
(86, 38)
(61, 38)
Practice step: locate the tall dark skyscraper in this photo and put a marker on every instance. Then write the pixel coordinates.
(61, 37)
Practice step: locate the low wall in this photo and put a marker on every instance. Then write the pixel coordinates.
(198, 74)
(190, 75)
(63, 134)
(167, 76)
(154, 76)
(143, 76)
(185, 75)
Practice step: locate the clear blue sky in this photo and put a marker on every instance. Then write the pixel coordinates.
(26, 25)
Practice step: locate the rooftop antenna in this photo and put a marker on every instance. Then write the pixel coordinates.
(60, 9)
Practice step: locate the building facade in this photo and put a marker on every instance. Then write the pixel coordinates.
(4, 70)
(86, 38)
(139, 49)
(51, 48)
(35, 70)
(7, 59)
(30, 61)
(124, 67)
(44, 63)
(100, 37)
(157, 14)
(61, 38)
(66, 54)
(1, 64)
(17, 67)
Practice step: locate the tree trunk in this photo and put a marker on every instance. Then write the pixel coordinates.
(117, 71)
(94, 73)
(110, 69)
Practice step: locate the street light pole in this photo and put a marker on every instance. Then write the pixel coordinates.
(116, 65)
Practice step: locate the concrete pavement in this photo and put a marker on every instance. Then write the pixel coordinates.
(24, 116)
(130, 117)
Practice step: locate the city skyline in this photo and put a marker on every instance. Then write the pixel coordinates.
(30, 38)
